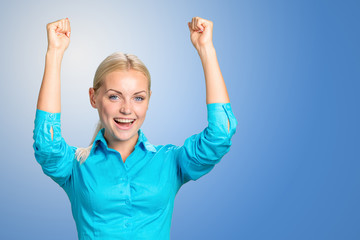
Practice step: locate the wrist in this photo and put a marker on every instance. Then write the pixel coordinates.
(55, 52)
(206, 50)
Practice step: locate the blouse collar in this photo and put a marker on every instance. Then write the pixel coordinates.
(142, 141)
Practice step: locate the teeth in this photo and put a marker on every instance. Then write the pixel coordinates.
(120, 120)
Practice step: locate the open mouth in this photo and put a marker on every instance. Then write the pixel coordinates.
(123, 123)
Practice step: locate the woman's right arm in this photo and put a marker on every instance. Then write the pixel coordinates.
(51, 151)
(58, 34)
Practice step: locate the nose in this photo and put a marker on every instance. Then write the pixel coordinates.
(125, 108)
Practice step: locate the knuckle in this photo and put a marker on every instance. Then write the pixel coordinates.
(49, 26)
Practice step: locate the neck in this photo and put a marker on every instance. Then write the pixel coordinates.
(125, 148)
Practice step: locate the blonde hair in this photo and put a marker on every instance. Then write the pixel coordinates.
(117, 61)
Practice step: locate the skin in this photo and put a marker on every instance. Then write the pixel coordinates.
(49, 99)
(123, 94)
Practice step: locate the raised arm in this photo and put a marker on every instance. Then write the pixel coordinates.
(58, 34)
(202, 151)
(51, 151)
(201, 37)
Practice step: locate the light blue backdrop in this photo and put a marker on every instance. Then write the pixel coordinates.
(292, 69)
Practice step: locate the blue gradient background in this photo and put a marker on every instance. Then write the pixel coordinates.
(292, 71)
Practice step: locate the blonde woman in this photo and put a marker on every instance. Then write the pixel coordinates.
(122, 186)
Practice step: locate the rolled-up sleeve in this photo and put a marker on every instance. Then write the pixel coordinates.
(52, 152)
(202, 151)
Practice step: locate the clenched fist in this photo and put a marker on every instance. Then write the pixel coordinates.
(58, 34)
(201, 32)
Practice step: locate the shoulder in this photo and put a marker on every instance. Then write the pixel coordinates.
(167, 148)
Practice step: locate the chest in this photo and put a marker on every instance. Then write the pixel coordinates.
(108, 186)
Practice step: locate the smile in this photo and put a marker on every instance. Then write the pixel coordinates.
(124, 123)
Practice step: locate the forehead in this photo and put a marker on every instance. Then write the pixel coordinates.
(125, 81)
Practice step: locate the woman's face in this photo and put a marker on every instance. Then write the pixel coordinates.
(122, 102)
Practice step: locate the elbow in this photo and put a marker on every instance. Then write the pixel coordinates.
(217, 140)
(49, 152)
(233, 123)
(213, 148)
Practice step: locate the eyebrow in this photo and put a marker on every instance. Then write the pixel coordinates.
(121, 92)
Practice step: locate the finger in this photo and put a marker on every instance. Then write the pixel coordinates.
(190, 28)
(193, 23)
(51, 27)
(68, 28)
(64, 26)
(196, 24)
(59, 27)
(56, 27)
(200, 24)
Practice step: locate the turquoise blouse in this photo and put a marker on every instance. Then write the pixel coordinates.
(111, 199)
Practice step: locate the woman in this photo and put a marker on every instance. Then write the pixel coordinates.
(122, 186)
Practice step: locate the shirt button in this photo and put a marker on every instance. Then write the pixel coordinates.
(127, 224)
(123, 179)
(51, 115)
(127, 202)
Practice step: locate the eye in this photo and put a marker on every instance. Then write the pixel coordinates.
(113, 97)
(139, 99)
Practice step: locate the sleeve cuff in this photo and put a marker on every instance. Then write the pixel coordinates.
(217, 112)
(219, 117)
(48, 116)
(44, 121)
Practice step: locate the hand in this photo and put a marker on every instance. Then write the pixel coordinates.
(58, 35)
(201, 32)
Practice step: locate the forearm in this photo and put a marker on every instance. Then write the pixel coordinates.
(216, 91)
(49, 96)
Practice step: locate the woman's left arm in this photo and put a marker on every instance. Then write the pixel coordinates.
(202, 151)
(201, 31)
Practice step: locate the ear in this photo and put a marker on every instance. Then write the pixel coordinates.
(92, 97)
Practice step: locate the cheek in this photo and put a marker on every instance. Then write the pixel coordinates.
(141, 110)
(107, 109)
